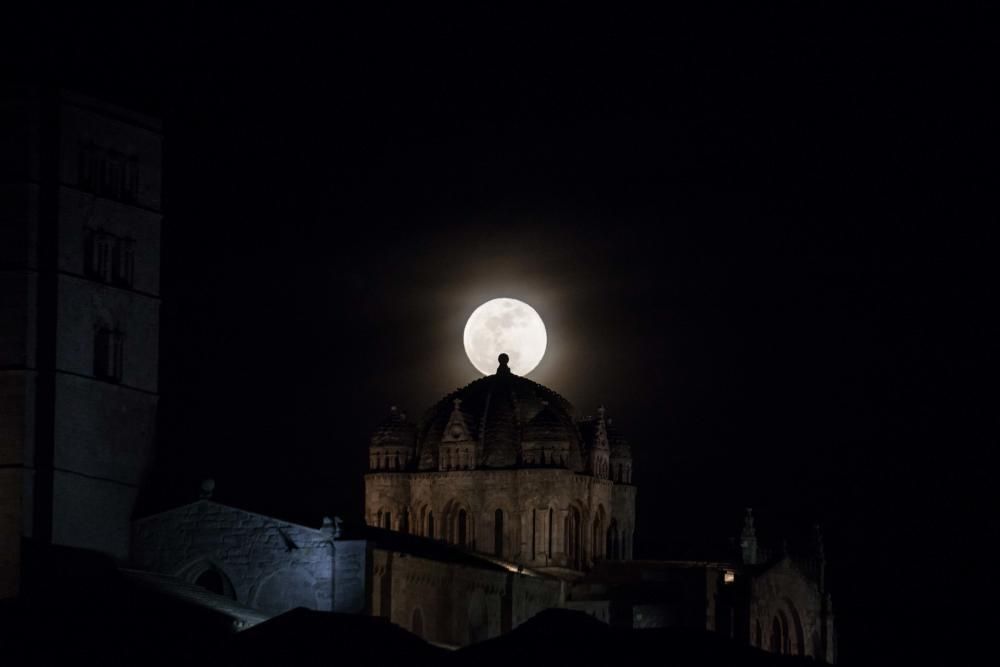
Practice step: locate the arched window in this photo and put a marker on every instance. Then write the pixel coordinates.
(597, 538)
(534, 537)
(552, 528)
(498, 533)
(211, 580)
(462, 531)
(417, 623)
(572, 538)
(214, 580)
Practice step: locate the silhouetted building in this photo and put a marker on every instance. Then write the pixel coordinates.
(79, 330)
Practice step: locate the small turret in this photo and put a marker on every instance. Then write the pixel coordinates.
(621, 456)
(748, 540)
(392, 444)
(600, 451)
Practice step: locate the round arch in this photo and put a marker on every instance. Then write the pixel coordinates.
(210, 575)
(459, 525)
(573, 539)
(796, 636)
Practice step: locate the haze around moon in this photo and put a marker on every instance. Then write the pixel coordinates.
(505, 325)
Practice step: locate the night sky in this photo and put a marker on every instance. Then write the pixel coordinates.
(764, 241)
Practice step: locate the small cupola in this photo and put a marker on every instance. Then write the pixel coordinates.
(392, 444)
(621, 455)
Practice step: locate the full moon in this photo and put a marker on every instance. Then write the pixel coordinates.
(505, 325)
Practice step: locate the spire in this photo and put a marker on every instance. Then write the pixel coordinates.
(748, 540)
(601, 440)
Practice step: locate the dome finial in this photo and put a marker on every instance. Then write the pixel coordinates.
(503, 368)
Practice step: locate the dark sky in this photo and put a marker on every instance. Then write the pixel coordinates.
(762, 240)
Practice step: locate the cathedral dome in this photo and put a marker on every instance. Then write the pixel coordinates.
(504, 417)
(394, 430)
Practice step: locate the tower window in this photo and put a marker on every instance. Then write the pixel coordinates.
(97, 254)
(108, 258)
(123, 262)
(108, 353)
(108, 173)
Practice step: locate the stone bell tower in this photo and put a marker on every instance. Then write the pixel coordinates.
(80, 186)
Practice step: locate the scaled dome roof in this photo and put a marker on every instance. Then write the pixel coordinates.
(500, 412)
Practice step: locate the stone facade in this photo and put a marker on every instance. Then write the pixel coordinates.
(790, 613)
(80, 187)
(456, 604)
(258, 561)
(504, 466)
(437, 591)
(751, 594)
(541, 518)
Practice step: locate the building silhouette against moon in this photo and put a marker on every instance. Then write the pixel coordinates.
(501, 502)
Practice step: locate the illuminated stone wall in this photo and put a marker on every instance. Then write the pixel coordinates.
(268, 564)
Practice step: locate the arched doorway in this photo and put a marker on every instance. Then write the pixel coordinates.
(777, 640)
(417, 622)
(611, 548)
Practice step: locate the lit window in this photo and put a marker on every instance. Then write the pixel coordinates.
(728, 577)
